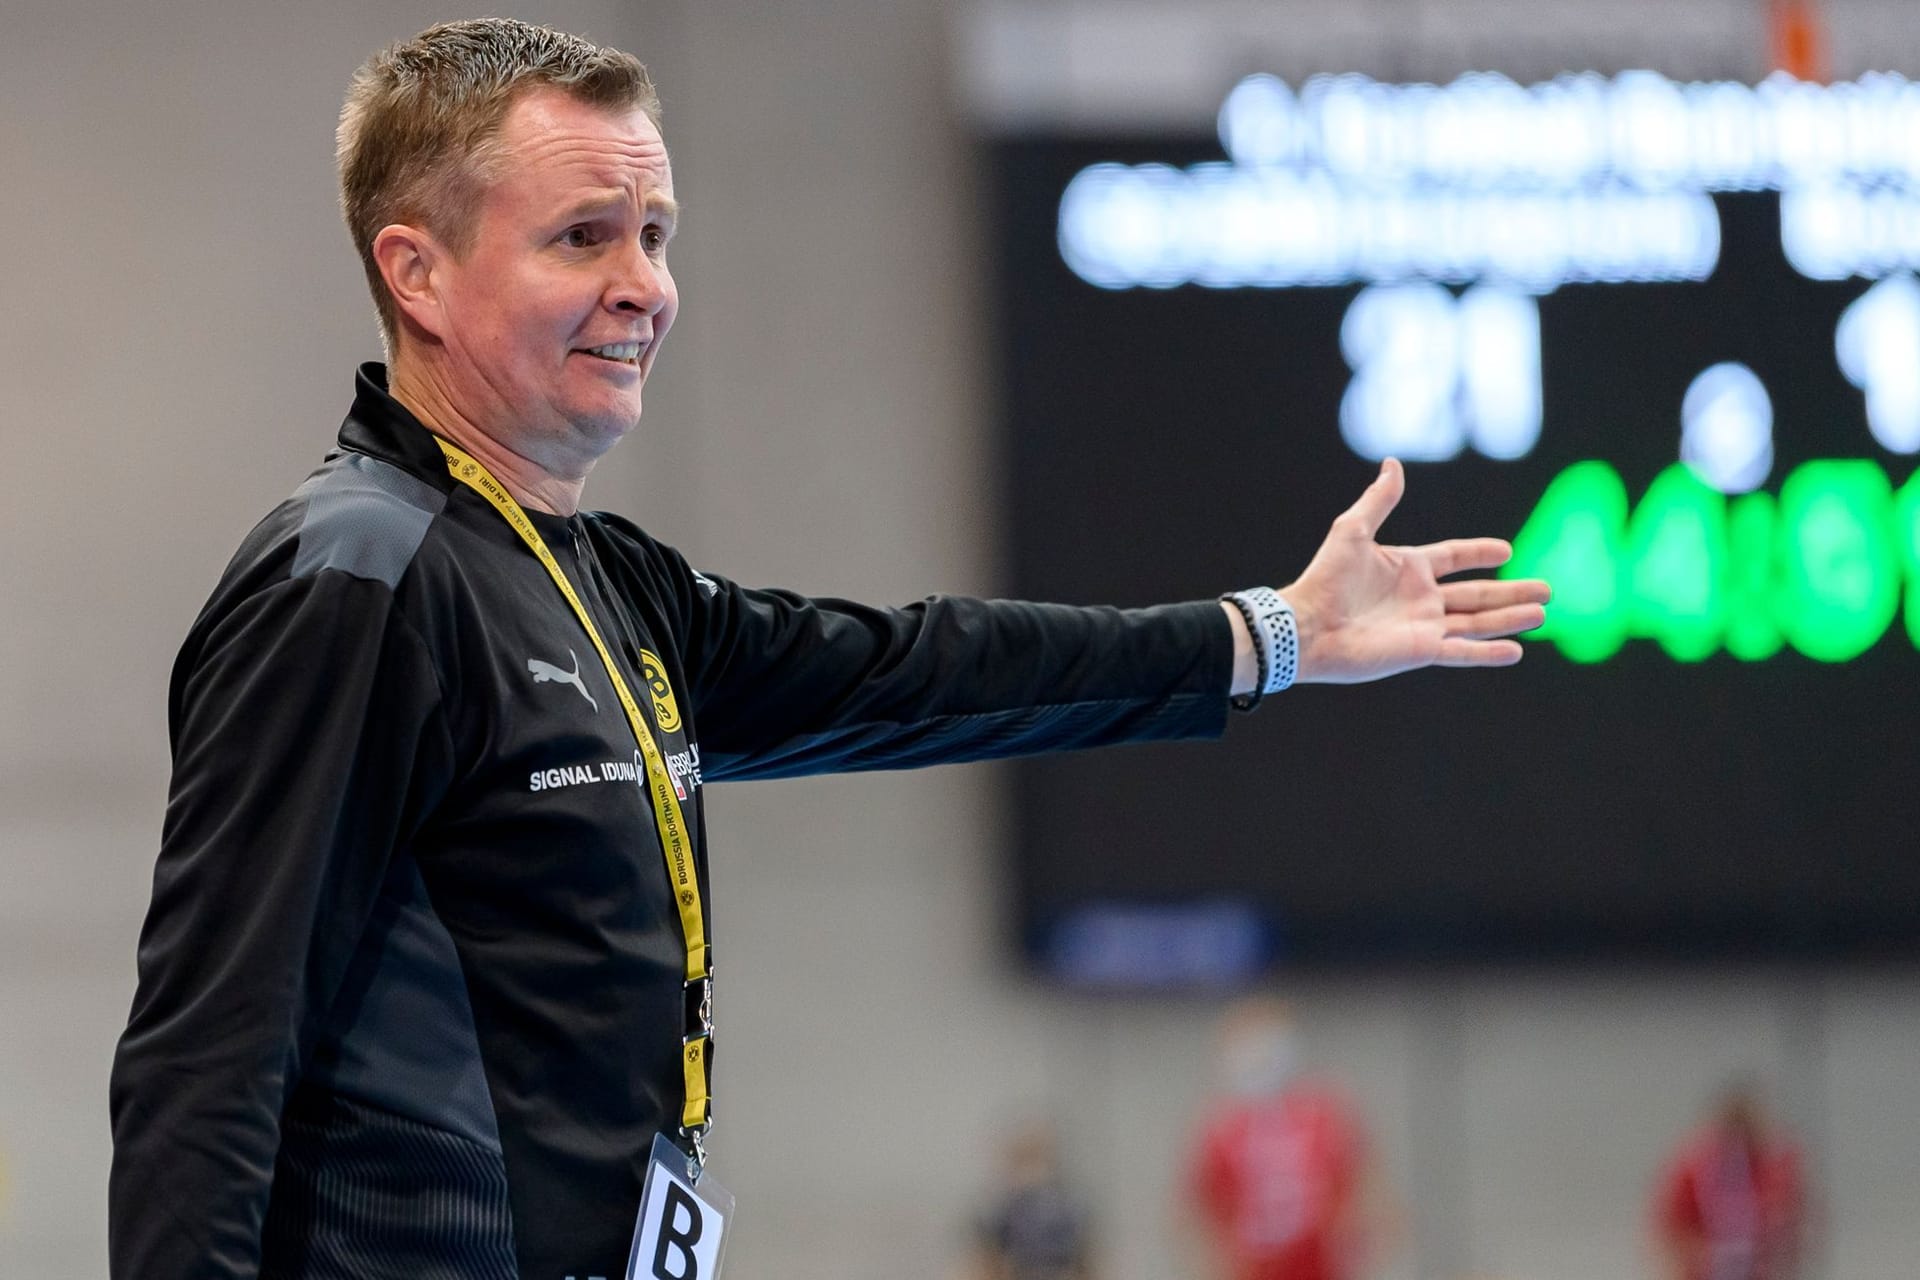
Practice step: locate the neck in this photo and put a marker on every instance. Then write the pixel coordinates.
(531, 484)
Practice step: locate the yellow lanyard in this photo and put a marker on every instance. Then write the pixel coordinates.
(697, 1040)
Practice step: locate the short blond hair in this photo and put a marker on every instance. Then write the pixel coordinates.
(416, 133)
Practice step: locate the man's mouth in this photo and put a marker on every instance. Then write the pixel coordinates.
(618, 352)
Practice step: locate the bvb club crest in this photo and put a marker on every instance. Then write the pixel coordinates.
(666, 711)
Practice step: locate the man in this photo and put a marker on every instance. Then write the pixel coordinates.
(426, 968)
(1280, 1178)
(1730, 1204)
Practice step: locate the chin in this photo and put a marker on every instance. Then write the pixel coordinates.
(608, 423)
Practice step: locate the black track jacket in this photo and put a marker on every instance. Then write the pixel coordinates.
(409, 995)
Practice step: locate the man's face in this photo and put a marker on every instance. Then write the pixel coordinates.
(553, 316)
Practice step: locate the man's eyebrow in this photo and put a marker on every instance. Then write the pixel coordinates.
(660, 206)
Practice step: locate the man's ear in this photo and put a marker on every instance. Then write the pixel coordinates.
(410, 261)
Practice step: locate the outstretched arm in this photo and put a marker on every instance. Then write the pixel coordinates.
(1366, 611)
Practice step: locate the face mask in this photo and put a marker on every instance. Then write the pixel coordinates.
(1259, 1062)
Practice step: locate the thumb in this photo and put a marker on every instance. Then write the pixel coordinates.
(1381, 497)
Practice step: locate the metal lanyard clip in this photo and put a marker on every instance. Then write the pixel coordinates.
(697, 1007)
(697, 1162)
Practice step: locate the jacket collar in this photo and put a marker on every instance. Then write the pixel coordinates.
(382, 427)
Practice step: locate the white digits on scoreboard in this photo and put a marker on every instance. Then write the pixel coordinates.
(1726, 428)
(1433, 373)
(1500, 371)
(1878, 344)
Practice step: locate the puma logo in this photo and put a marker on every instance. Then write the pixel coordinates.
(545, 671)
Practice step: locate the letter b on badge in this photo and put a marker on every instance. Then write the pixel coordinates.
(681, 1227)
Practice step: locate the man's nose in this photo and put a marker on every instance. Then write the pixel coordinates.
(640, 285)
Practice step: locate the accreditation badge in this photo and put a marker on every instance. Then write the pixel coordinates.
(683, 1219)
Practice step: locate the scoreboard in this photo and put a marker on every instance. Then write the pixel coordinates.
(1666, 337)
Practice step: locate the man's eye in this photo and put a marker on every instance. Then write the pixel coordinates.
(653, 239)
(577, 237)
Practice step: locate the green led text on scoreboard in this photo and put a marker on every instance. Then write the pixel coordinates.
(1820, 568)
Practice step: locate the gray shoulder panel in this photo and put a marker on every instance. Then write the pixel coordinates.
(364, 517)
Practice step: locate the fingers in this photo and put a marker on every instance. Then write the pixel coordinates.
(1490, 623)
(1478, 653)
(1379, 500)
(1487, 608)
(1480, 594)
(1459, 554)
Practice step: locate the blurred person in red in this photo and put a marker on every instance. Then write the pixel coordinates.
(1730, 1203)
(1279, 1178)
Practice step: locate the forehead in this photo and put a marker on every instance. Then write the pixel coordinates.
(555, 147)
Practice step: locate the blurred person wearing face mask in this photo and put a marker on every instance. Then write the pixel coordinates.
(1278, 1179)
(1730, 1203)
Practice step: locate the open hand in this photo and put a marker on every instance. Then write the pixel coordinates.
(1367, 611)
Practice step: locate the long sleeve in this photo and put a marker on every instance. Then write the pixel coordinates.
(308, 743)
(785, 684)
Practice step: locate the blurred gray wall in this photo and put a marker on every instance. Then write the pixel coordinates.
(181, 314)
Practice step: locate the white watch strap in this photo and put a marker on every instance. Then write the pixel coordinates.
(1276, 636)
